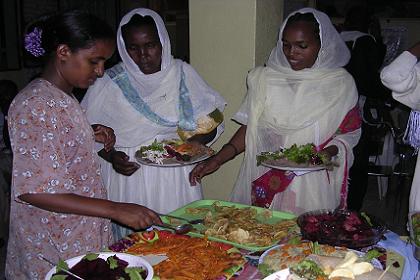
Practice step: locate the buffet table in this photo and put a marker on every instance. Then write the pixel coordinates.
(406, 268)
(240, 236)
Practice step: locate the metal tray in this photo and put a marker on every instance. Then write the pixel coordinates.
(181, 212)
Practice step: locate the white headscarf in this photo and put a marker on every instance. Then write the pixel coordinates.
(146, 83)
(316, 85)
(159, 90)
(333, 53)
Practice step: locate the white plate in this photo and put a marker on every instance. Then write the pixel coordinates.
(171, 162)
(131, 259)
(279, 275)
(376, 263)
(296, 168)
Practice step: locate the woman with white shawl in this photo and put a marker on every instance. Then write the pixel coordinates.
(150, 95)
(402, 76)
(302, 96)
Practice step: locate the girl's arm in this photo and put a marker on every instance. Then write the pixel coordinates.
(402, 77)
(133, 215)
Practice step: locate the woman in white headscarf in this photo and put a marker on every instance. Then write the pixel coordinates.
(150, 95)
(302, 96)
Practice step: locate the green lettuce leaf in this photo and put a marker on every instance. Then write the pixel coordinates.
(113, 263)
(372, 254)
(134, 273)
(91, 256)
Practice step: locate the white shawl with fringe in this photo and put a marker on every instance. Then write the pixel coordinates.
(284, 107)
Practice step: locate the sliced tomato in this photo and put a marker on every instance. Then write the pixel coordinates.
(148, 235)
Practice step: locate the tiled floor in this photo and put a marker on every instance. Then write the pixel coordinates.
(392, 208)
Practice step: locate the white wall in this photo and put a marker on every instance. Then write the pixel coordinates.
(227, 39)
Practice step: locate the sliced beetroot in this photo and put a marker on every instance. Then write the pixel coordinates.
(340, 228)
(99, 269)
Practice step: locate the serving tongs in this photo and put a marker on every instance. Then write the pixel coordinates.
(192, 222)
(63, 269)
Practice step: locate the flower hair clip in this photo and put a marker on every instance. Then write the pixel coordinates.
(33, 42)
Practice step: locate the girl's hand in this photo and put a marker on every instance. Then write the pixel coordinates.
(202, 169)
(105, 135)
(135, 216)
(122, 164)
(329, 152)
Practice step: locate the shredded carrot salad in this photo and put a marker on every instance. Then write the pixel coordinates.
(188, 257)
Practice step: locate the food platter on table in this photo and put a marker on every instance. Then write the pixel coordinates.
(285, 255)
(187, 257)
(337, 230)
(277, 262)
(243, 226)
(341, 227)
(88, 267)
(172, 153)
(296, 158)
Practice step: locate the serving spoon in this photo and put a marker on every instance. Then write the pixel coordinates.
(181, 229)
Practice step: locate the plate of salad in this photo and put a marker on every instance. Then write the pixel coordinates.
(103, 265)
(318, 267)
(296, 158)
(285, 258)
(172, 153)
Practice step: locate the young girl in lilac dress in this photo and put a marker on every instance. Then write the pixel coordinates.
(59, 208)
